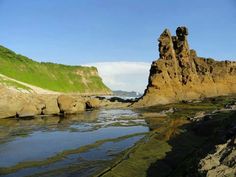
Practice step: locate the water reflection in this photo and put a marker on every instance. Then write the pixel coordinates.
(61, 138)
(42, 144)
(93, 158)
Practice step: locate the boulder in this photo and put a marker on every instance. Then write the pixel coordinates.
(11, 103)
(51, 105)
(65, 102)
(7, 109)
(28, 110)
(69, 105)
(41, 107)
(79, 106)
(93, 103)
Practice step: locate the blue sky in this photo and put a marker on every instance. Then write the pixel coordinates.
(93, 31)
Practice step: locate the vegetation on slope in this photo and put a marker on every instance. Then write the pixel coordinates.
(56, 77)
(9, 83)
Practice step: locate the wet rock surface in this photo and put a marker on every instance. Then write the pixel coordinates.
(176, 146)
(222, 162)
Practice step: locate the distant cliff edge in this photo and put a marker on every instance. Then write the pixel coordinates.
(179, 74)
(23, 73)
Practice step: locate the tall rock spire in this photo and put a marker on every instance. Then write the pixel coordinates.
(166, 48)
(181, 46)
(179, 74)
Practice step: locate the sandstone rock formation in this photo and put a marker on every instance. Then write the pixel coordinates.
(93, 103)
(17, 104)
(51, 105)
(69, 105)
(28, 110)
(179, 74)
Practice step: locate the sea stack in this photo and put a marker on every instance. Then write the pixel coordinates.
(179, 74)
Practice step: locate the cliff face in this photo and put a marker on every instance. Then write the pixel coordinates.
(50, 76)
(179, 74)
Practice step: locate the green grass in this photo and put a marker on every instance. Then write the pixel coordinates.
(10, 83)
(51, 76)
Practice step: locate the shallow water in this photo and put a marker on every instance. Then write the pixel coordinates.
(85, 142)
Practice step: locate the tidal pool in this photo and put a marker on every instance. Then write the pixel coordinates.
(84, 143)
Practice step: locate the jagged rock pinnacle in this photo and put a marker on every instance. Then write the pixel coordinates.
(179, 74)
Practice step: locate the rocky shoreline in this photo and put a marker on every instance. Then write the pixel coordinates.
(18, 104)
(183, 141)
(174, 129)
(222, 162)
(192, 130)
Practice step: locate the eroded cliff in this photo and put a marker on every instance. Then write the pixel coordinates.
(179, 74)
(17, 71)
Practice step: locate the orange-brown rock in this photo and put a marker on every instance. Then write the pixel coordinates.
(179, 74)
(93, 103)
(69, 105)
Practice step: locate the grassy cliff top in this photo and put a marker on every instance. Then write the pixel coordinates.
(51, 76)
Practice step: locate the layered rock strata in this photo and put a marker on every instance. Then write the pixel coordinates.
(179, 74)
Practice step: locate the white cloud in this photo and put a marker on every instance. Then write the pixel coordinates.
(128, 76)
